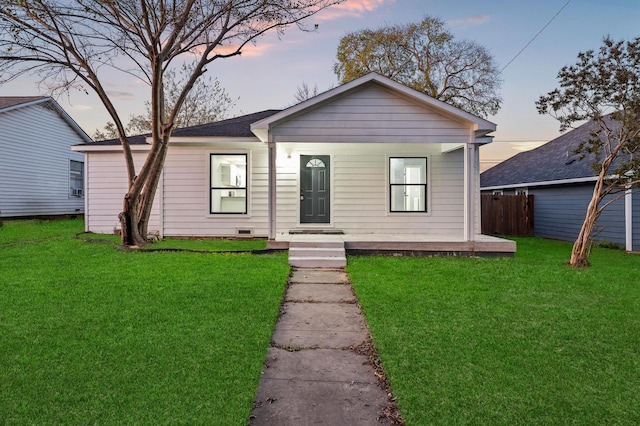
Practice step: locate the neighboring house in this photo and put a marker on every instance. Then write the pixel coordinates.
(371, 159)
(39, 174)
(562, 185)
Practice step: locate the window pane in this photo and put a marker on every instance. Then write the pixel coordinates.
(228, 171)
(76, 178)
(228, 201)
(408, 198)
(408, 170)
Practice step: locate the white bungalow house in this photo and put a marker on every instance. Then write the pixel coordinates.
(39, 174)
(385, 166)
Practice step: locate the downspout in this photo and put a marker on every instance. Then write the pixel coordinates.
(161, 205)
(87, 216)
(628, 219)
(272, 187)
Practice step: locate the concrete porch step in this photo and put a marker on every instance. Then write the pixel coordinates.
(317, 254)
(318, 262)
(316, 244)
(317, 251)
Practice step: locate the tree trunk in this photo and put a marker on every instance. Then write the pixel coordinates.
(582, 246)
(132, 234)
(134, 218)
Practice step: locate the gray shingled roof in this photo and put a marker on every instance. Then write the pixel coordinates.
(9, 101)
(133, 140)
(552, 161)
(235, 127)
(232, 127)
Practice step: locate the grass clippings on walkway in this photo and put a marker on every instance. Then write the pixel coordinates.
(502, 341)
(95, 335)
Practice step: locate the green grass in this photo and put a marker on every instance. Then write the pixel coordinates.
(506, 341)
(94, 335)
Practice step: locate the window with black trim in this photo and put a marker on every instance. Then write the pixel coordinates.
(228, 184)
(408, 184)
(76, 178)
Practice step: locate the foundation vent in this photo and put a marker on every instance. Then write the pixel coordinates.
(244, 232)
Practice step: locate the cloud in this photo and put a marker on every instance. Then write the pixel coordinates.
(117, 94)
(352, 8)
(248, 51)
(81, 107)
(525, 146)
(471, 21)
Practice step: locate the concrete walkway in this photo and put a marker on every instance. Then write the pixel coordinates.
(314, 373)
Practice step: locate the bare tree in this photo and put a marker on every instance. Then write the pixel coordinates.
(304, 92)
(206, 102)
(426, 57)
(603, 87)
(109, 131)
(76, 43)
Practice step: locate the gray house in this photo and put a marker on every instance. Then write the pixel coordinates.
(39, 174)
(562, 185)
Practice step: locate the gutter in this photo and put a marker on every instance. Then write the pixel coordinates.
(542, 183)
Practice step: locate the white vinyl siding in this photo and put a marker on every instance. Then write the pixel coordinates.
(35, 145)
(360, 189)
(187, 187)
(372, 114)
(360, 131)
(106, 187)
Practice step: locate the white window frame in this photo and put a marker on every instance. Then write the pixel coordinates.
(497, 192)
(427, 186)
(231, 188)
(522, 191)
(76, 179)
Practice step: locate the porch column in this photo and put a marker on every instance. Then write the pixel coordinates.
(272, 188)
(471, 190)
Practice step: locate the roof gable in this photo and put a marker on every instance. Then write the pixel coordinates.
(479, 125)
(9, 103)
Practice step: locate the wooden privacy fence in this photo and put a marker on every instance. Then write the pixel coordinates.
(507, 215)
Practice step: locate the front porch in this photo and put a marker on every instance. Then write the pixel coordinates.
(402, 244)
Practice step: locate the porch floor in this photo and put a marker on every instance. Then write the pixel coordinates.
(484, 245)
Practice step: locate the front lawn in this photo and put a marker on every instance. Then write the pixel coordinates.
(525, 340)
(94, 335)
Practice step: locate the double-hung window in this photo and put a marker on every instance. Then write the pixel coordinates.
(408, 184)
(76, 178)
(228, 184)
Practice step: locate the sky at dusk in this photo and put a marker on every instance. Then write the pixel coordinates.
(267, 75)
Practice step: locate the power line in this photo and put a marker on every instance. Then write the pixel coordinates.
(518, 140)
(535, 36)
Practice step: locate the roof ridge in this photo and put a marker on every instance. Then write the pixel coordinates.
(231, 127)
(15, 101)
